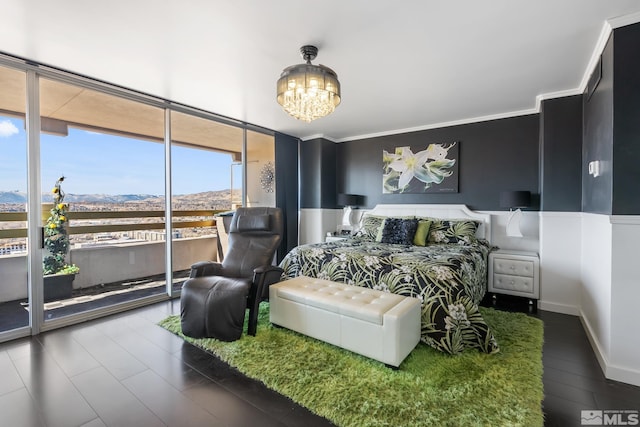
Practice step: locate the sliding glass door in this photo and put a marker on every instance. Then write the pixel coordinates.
(14, 295)
(204, 154)
(102, 175)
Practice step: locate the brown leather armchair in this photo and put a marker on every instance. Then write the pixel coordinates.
(215, 297)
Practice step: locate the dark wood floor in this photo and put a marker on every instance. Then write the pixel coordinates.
(126, 371)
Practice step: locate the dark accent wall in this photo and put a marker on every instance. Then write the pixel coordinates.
(561, 154)
(317, 174)
(286, 153)
(626, 121)
(611, 129)
(547, 154)
(495, 155)
(597, 137)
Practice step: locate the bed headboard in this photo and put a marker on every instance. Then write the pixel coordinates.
(438, 211)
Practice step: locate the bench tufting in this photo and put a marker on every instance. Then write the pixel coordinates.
(376, 324)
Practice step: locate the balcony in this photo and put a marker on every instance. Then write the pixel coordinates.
(129, 265)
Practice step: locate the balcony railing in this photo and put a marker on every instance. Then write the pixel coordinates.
(117, 261)
(205, 218)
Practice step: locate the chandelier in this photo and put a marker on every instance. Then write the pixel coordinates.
(307, 91)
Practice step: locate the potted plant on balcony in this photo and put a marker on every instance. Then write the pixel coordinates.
(58, 274)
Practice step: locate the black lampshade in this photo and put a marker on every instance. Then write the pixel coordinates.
(350, 199)
(515, 199)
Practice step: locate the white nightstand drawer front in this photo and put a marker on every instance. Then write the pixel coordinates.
(513, 267)
(513, 283)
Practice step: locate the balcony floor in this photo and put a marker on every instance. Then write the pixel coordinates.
(15, 314)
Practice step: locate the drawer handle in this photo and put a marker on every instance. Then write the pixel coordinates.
(513, 267)
(513, 282)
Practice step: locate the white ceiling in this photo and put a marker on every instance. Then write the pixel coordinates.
(402, 65)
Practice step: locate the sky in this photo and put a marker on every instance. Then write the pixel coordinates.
(95, 163)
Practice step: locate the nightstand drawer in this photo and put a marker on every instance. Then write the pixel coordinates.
(513, 267)
(513, 283)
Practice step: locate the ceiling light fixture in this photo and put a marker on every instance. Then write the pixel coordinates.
(307, 91)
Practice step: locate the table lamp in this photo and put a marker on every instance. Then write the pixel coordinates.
(515, 200)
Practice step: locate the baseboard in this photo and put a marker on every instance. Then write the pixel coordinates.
(595, 344)
(559, 308)
(625, 375)
(612, 372)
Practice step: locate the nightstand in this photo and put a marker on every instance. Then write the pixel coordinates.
(515, 273)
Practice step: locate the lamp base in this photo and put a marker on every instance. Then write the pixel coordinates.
(513, 224)
(347, 211)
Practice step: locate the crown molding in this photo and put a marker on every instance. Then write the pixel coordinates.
(607, 28)
(624, 20)
(441, 125)
(318, 135)
(597, 52)
(558, 94)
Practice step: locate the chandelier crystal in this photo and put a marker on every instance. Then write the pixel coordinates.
(307, 91)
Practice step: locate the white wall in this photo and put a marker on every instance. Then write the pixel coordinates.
(595, 298)
(624, 356)
(560, 262)
(611, 292)
(316, 223)
(529, 227)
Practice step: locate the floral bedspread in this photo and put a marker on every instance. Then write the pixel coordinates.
(450, 279)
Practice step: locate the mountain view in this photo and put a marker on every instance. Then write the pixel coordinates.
(12, 201)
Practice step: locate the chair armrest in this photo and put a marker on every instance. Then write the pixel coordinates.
(205, 268)
(267, 274)
(263, 277)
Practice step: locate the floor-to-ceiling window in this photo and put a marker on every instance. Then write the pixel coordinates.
(13, 202)
(110, 151)
(203, 155)
(114, 149)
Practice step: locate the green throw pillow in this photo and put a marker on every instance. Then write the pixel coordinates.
(420, 238)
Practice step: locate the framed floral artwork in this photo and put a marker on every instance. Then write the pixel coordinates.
(432, 170)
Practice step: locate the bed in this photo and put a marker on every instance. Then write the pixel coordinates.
(447, 270)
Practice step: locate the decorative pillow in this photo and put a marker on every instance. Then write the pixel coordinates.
(422, 232)
(370, 225)
(453, 231)
(378, 236)
(399, 231)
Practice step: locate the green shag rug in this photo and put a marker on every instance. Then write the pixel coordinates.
(430, 388)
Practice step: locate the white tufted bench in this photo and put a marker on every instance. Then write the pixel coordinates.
(376, 324)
